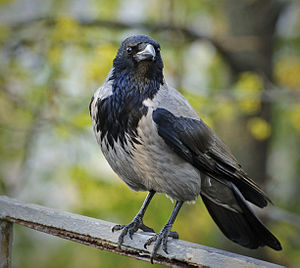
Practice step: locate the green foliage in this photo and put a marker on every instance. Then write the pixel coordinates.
(286, 70)
(249, 88)
(259, 128)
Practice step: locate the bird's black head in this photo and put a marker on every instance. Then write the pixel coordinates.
(136, 76)
(139, 55)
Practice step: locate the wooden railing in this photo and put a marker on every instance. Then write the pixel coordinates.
(97, 233)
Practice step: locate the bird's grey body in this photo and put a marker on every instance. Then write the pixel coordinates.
(152, 165)
(155, 141)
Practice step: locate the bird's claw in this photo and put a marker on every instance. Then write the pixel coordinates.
(174, 235)
(117, 227)
(130, 229)
(161, 238)
(145, 228)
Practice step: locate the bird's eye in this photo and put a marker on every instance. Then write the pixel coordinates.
(158, 49)
(129, 49)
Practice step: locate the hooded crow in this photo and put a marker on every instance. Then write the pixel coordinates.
(155, 141)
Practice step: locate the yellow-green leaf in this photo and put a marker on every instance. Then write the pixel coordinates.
(259, 128)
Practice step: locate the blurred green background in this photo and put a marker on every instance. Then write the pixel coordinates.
(237, 62)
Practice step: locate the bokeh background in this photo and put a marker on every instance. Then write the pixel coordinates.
(237, 62)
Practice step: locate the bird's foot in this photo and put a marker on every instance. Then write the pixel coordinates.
(161, 238)
(130, 229)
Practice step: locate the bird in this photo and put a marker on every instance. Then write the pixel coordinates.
(155, 141)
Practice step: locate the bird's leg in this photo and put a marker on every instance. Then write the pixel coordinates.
(162, 236)
(137, 222)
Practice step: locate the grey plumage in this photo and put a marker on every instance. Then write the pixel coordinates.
(155, 141)
(152, 165)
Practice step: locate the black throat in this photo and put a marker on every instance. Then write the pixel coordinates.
(119, 114)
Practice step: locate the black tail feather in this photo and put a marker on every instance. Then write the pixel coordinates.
(265, 235)
(242, 227)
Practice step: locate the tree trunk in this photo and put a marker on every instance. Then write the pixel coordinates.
(248, 46)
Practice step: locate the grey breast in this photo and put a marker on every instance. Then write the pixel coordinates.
(162, 169)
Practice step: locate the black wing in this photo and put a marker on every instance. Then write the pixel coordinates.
(195, 142)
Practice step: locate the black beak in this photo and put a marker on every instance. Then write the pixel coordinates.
(148, 53)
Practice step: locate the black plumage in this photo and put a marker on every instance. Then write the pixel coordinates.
(194, 141)
(120, 113)
(155, 141)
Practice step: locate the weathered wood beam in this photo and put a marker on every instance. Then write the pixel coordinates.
(97, 233)
(6, 236)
